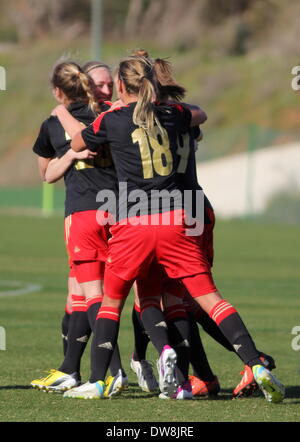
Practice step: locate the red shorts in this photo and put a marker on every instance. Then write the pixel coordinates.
(86, 240)
(132, 248)
(157, 283)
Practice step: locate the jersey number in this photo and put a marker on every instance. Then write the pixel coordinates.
(155, 151)
(183, 151)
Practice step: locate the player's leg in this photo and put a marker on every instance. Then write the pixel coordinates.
(184, 257)
(179, 335)
(149, 290)
(204, 291)
(106, 332)
(68, 374)
(66, 320)
(79, 331)
(90, 275)
(139, 364)
(141, 339)
(247, 385)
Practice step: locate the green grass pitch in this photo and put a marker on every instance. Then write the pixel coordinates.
(256, 268)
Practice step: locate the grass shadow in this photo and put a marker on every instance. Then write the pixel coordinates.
(16, 387)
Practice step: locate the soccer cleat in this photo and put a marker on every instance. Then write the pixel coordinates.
(204, 388)
(183, 392)
(166, 369)
(248, 386)
(146, 379)
(115, 384)
(56, 381)
(272, 389)
(88, 390)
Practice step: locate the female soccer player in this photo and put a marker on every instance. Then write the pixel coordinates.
(203, 381)
(142, 137)
(86, 240)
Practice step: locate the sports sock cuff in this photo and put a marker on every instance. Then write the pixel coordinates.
(109, 313)
(68, 309)
(94, 300)
(175, 312)
(221, 311)
(78, 303)
(137, 308)
(147, 305)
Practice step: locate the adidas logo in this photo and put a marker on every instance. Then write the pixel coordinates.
(83, 339)
(184, 343)
(64, 337)
(161, 324)
(76, 249)
(236, 347)
(107, 345)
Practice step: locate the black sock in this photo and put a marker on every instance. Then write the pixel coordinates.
(92, 312)
(64, 331)
(156, 327)
(104, 340)
(198, 356)
(235, 331)
(179, 335)
(211, 328)
(141, 338)
(79, 333)
(115, 362)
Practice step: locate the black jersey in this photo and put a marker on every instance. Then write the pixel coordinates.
(84, 178)
(187, 170)
(145, 161)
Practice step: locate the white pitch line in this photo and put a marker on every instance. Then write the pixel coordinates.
(18, 288)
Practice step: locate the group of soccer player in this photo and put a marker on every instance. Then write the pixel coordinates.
(136, 217)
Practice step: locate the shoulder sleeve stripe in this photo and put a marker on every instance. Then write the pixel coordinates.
(96, 124)
(177, 106)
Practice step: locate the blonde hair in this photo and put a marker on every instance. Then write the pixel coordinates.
(167, 87)
(137, 74)
(90, 65)
(74, 82)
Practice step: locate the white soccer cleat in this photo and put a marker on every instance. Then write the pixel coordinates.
(88, 390)
(144, 372)
(271, 387)
(183, 392)
(115, 384)
(166, 365)
(56, 381)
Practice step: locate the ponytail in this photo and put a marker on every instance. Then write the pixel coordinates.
(167, 86)
(76, 85)
(137, 74)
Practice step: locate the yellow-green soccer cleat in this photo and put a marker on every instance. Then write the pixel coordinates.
(115, 384)
(89, 390)
(272, 389)
(56, 381)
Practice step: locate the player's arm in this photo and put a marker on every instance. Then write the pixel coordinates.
(42, 166)
(57, 167)
(78, 143)
(68, 122)
(198, 114)
(92, 137)
(43, 149)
